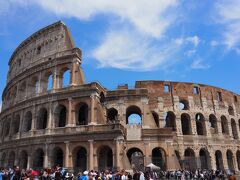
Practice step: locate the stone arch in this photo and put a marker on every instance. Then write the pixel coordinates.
(170, 120)
(159, 157)
(219, 160)
(49, 82)
(82, 114)
(23, 159)
(230, 110)
(136, 158)
(156, 118)
(27, 123)
(229, 155)
(133, 115)
(38, 159)
(65, 77)
(234, 129)
(105, 158)
(183, 104)
(112, 115)
(200, 124)
(213, 124)
(80, 158)
(11, 159)
(205, 159)
(57, 157)
(186, 124)
(60, 115)
(42, 119)
(15, 124)
(190, 159)
(224, 124)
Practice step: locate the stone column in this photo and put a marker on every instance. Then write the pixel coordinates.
(92, 111)
(212, 160)
(117, 158)
(46, 155)
(68, 155)
(29, 163)
(72, 74)
(235, 164)
(71, 121)
(50, 116)
(55, 79)
(224, 157)
(91, 158)
(16, 160)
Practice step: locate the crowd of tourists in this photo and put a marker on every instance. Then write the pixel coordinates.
(59, 173)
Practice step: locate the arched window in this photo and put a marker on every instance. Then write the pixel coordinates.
(105, 158)
(38, 159)
(50, 82)
(224, 125)
(159, 158)
(213, 124)
(183, 104)
(230, 160)
(22, 90)
(7, 127)
(66, 78)
(190, 160)
(136, 158)
(15, 124)
(200, 124)
(57, 157)
(170, 120)
(112, 115)
(42, 119)
(27, 123)
(60, 116)
(156, 118)
(219, 160)
(133, 115)
(234, 129)
(186, 124)
(80, 159)
(205, 159)
(82, 114)
(230, 110)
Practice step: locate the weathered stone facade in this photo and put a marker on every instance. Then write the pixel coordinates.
(85, 126)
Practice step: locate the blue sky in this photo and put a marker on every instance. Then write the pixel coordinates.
(124, 41)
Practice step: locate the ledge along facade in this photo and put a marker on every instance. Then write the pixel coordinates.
(46, 121)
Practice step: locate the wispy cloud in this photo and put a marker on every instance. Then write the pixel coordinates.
(199, 64)
(227, 15)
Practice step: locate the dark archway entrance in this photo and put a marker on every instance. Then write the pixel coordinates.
(23, 160)
(57, 157)
(204, 159)
(189, 160)
(219, 160)
(105, 158)
(136, 158)
(38, 159)
(159, 158)
(81, 159)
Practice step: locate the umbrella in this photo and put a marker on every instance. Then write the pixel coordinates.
(153, 167)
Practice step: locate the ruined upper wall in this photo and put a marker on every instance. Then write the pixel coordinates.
(44, 43)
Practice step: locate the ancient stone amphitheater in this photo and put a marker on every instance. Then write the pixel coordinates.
(46, 121)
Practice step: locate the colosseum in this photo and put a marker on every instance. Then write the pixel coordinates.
(51, 116)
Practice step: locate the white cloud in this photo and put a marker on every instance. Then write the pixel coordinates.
(195, 40)
(198, 64)
(214, 43)
(132, 51)
(191, 52)
(227, 14)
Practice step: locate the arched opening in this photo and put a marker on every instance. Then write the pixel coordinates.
(22, 90)
(159, 158)
(3, 160)
(133, 115)
(219, 160)
(224, 125)
(205, 159)
(33, 85)
(60, 116)
(136, 158)
(82, 114)
(66, 78)
(170, 120)
(27, 123)
(7, 127)
(186, 124)
(11, 159)
(38, 159)
(50, 82)
(15, 124)
(183, 104)
(190, 160)
(238, 158)
(42, 119)
(23, 160)
(234, 129)
(57, 157)
(156, 118)
(105, 158)
(230, 160)
(213, 124)
(102, 97)
(230, 110)
(200, 124)
(80, 159)
(112, 115)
